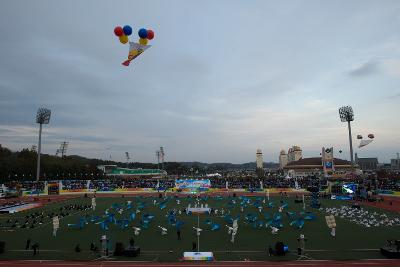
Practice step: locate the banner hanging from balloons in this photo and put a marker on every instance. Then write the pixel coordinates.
(135, 49)
(364, 142)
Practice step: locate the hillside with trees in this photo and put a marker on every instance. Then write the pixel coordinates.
(21, 165)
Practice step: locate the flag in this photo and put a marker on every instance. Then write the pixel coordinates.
(330, 221)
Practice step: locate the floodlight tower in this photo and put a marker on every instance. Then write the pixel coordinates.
(162, 154)
(42, 117)
(346, 114)
(127, 157)
(63, 149)
(158, 158)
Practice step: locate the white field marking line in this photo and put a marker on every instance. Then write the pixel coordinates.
(383, 259)
(133, 263)
(366, 249)
(30, 250)
(2, 262)
(310, 250)
(262, 251)
(364, 263)
(340, 250)
(44, 263)
(216, 251)
(333, 261)
(188, 264)
(162, 251)
(240, 251)
(267, 263)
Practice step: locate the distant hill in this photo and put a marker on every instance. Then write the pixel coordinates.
(22, 165)
(229, 166)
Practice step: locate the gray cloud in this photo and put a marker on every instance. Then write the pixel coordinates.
(365, 69)
(221, 78)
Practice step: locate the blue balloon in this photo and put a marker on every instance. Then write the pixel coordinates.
(142, 33)
(127, 30)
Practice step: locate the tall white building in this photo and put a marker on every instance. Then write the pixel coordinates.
(259, 159)
(283, 159)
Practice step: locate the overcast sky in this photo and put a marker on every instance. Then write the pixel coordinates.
(221, 79)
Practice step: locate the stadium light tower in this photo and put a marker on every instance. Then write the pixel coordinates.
(346, 114)
(158, 158)
(42, 117)
(162, 154)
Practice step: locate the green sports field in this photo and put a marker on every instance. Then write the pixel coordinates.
(352, 241)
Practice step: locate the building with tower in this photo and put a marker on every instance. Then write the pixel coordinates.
(259, 164)
(294, 154)
(395, 163)
(314, 166)
(326, 165)
(259, 159)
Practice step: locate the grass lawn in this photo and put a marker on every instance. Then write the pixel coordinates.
(351, 242)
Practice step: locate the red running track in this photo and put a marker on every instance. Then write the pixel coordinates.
(389, 203)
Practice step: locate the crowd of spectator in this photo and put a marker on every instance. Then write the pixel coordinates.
(249, 183)
(391, 185)
(25, 185)
(74, 184)
(99, 185)
(270, 182)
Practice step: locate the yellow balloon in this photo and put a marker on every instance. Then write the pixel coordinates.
(143, 41)
(123, 39)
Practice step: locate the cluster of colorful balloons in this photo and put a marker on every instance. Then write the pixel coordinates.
(124, 32)
(145, 35)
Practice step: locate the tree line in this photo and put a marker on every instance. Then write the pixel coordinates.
(21, 165)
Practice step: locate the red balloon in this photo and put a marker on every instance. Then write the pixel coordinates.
(118, 31)
(150, 34)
